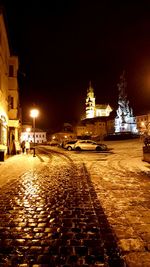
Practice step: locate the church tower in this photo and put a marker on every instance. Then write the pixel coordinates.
(90, 103)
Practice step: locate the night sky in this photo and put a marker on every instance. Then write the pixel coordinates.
(62, 45)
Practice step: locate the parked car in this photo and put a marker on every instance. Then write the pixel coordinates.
(53, 143)
(147, 140)
(89, 145)
(69, 145)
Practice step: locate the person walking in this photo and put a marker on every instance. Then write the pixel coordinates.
(27, 147)
(23, 146)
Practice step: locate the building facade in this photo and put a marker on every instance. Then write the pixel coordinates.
(27, 134)
(95, 128)
(14, 112)
(94, 110)
(143, 124)
(9, 96)
(60, 137)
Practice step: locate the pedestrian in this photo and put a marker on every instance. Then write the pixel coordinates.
(23, 146)
(27, 146)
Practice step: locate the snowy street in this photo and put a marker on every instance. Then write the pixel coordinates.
(122, 184)
(68, 208)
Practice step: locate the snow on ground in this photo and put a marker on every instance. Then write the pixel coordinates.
(130, 153)
(122, 183)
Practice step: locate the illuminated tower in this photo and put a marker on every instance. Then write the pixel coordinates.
(90, 102)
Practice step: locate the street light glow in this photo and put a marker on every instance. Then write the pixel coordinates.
(28, 130)
(34, 113)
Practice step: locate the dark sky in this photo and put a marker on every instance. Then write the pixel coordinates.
(62, 45)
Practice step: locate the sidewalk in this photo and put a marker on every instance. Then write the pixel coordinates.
(14, 166)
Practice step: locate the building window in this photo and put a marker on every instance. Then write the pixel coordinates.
(10, 102)
(11, 71)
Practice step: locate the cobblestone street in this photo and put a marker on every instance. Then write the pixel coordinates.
(50, 216)
(75, 209)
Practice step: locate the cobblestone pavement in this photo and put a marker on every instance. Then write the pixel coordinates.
(122, 185)
(51, 216)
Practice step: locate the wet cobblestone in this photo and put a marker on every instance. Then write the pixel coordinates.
(51, 217)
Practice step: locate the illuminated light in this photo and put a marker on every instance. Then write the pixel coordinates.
(28, 130)
(90, 114)
(34, 113)
(142, 124)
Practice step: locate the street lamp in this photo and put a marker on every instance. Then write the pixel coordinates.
(34, 114)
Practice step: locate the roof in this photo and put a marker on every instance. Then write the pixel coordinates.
(93, 120)
(102, 106)
(36, 130)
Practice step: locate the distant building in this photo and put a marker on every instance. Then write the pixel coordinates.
(95, 110)
(95, 128)
(94, 125)
(62, 136)
(143, 124)
(27, 134)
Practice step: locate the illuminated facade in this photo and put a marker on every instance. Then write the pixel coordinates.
(27, 134)
(9, 107)
(62, 136)
(95, 110)
(13, 105)
(95, 128)
(124, 121)
(4, 59)
(143, 124)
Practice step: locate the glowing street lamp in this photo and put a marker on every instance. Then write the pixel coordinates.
(28, 130)
(34, 114)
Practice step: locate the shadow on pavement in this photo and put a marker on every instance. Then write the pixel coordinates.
(113, 254)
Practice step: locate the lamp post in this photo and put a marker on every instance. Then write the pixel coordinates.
(34, 114)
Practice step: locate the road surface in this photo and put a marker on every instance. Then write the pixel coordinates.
(67, 208)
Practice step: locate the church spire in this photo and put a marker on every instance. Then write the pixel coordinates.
(90, 102)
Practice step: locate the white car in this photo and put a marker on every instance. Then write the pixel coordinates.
(69, 145)
(89, 145)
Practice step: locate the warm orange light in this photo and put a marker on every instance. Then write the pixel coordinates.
(28, 130)
(34, 113)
